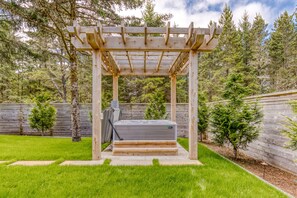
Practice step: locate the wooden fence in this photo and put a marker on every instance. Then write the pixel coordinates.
(14, 118)
(269, 146)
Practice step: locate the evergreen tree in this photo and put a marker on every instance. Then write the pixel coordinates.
(229, 44)
(290, 130)
(215, 67)
(203, 115)
(282, 67)
(152, 18)
(259, 58)
(244, 67)
(43, 115)
(156, 108)
(235, 122)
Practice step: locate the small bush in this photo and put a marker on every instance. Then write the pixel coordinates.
(43, 115)
(156, 109)
(290, 130)
(203, 115)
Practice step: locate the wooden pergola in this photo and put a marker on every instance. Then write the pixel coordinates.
(145, 51)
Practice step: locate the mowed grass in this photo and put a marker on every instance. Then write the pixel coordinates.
(216, 178)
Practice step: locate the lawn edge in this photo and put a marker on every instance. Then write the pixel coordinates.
(270, 184)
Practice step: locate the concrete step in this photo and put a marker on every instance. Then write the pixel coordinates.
(145, 151)
(145, 144)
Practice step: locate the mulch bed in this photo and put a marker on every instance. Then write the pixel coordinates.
(276, 176)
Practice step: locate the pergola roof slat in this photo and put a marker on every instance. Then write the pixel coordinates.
(132, 51)
(140, 30)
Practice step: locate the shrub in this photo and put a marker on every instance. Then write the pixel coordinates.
(156, 108)
(290, 130)
(235, 122)
(203, 115)
(43, 115)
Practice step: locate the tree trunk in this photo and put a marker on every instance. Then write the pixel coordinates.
(63, 78)
(205, 136)
(201, 137)
(235, 152)
(64, 87)
(75, 119)
(21, 120)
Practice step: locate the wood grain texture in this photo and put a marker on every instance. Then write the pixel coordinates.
(96, 106)
(193, 104)
(115, 88)
(173, 98)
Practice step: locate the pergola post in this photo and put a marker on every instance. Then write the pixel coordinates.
(193, 104)
(115, 87)
(173, 98)
(96, 106)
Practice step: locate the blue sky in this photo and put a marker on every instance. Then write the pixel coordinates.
(202, 11)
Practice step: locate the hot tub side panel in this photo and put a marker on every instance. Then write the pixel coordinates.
(146, 132)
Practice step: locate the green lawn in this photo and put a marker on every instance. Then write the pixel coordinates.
(216, 178)
(44, 148)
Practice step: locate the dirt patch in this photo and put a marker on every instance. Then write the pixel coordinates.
(276, 176)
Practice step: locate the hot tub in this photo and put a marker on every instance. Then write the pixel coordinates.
(145, 130)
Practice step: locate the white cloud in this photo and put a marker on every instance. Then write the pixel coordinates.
(181, 17)
(200, 12)
(252, 9)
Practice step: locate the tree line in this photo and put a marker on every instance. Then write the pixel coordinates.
(267, 60)
(37, 56)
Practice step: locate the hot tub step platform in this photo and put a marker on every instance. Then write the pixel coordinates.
(145, 144)
(144, 151)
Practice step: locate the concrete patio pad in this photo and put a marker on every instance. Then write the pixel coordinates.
(32, 163)
(117, 162)
(82, 163)
(166, 162)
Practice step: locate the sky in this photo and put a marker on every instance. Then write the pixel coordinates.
(202, 11)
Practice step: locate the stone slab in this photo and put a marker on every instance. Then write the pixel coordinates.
(117, 162)
(82, 163)
(32, 163)
(2, 162)
(169, 162)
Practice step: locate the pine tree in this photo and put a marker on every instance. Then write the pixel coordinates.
(229, 44)
(215, 67)
(282, 71)
(259, 59)
(290, 130)
(235, 122)
(203, 115)
(244, 67)
(209, 75)
(156, 108)
(43, 115)
(152, 18)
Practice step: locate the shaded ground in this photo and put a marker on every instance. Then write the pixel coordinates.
(280, 178)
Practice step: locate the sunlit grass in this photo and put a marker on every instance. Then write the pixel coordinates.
(215, 178)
